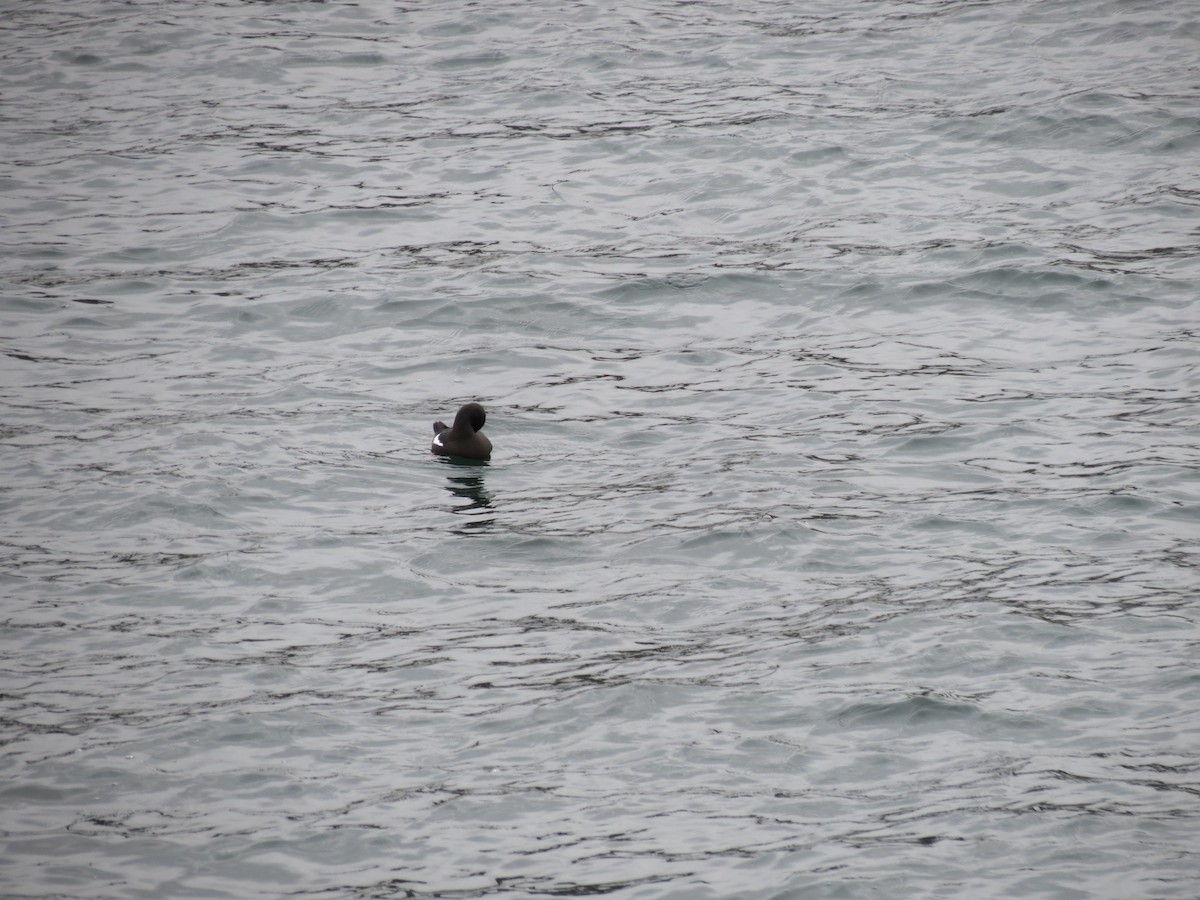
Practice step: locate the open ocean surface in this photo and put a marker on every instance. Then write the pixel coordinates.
(843, 530)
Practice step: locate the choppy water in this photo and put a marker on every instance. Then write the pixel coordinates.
(840, 538)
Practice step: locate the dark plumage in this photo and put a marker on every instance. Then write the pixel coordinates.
(463, 438)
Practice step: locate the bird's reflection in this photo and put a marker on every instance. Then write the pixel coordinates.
(466, 480)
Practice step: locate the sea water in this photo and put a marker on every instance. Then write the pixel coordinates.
(840, 538)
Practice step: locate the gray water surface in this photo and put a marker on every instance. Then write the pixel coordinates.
(840, 537)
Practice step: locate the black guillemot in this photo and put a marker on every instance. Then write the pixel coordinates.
(463, 439)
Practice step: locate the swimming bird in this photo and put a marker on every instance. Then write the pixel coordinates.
(464, 438)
